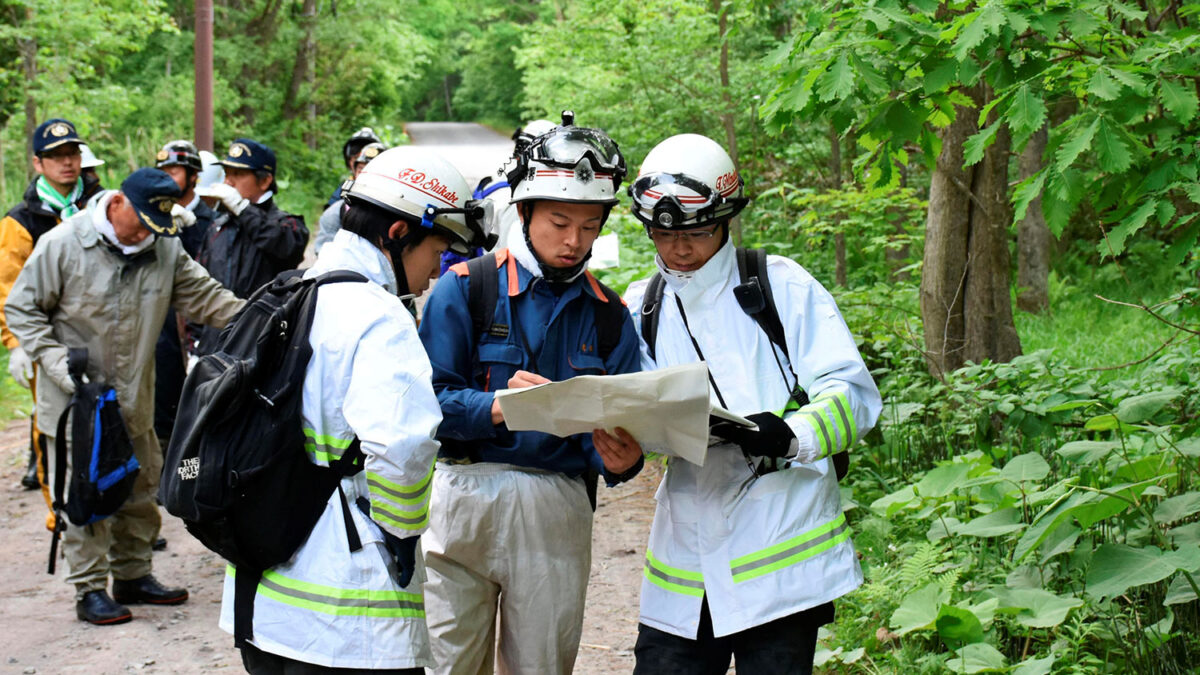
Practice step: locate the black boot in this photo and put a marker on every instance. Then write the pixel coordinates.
(147, 589)
(97, 608)
(30, 480)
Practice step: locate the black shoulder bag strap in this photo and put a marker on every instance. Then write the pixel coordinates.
(609, 319)
(482, 291)
(77, 359)
(651, 304)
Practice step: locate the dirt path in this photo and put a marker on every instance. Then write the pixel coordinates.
(41, 634)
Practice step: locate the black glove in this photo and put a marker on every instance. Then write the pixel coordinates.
(772, 439)
(404, 555)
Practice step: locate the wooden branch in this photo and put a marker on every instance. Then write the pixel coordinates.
(1149, 311)
(1144, 359)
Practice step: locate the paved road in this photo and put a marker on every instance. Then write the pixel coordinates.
(473, 149)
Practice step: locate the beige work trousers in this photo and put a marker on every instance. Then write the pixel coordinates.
(121, 543)
(513, 540)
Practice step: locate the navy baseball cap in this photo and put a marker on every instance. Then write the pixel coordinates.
(152, 193)
(247, 154)
(52, 133)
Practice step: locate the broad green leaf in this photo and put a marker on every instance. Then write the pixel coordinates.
(919, 609)
(1027, 112)
(1131, 80)
(1027, 467)
(1048, 521)
(1060, 541)
(1102, 423)
(1103, 86)
(838, 82)
(994, 524)
(1160, 632)
(1185, 535)
(969, 37)
(940, 528)
(942, 480)
(958, 627)
(1189, 446)
(898, 413)
(1111, 148)
(1036, 607)
(940, 76)
(1079, 140)
(1177, 508)
(977, 144)
(1025, 192)
(889, 505)
(1071, 405)
(1034, 666)
(979, 657)
(1141, 408)
(1114, 243)
(1180, 590)
(1116, 567)
(1086, 452)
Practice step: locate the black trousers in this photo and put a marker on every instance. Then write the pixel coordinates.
(784, 645)
(258, 662)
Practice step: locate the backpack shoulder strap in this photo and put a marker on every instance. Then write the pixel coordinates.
(651, 304)
(610, 316)
(752, 262)
(483, 289)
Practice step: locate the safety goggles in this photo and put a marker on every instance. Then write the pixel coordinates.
(479, 216)
(675, 199)
(567, 146)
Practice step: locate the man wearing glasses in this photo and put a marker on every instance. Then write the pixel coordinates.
(58, 192)
(748, 552)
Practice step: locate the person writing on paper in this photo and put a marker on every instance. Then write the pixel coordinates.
(510, 521)
(748, 552)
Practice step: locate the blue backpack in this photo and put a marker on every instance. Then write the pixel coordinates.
(103, 466)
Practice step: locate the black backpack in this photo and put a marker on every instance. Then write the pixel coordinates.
(103, 466)
(755, 298)
(236, 471)
(482, 293)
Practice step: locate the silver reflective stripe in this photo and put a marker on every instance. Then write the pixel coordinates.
(819, 416)
(789, 552)
(340, 602)
(413, 494)
(851, 432)
(417, 518)
(671, 579)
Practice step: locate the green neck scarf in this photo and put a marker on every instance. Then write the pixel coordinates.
(64, 206)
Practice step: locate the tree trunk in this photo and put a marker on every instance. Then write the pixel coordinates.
(896, 256)
(28, 48)
(835, 179)
(1033, 237)
(727, 105)
(304, 54)
(965, 304)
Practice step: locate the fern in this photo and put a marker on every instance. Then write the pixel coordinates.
(918, 569)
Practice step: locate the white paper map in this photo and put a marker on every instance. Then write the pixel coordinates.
(666, 410)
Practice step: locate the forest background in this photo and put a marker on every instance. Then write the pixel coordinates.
(1002, 195)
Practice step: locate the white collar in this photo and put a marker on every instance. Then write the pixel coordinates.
(348, 251)
(713, 274)
(106, 230)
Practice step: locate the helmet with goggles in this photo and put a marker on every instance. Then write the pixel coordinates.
(687, 181)
(568, 164)
(179, 153)
(357, 140)
(415, 183)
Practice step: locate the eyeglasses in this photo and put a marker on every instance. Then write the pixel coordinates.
(63, 155)
(661, 236)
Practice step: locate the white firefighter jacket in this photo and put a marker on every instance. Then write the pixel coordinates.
(368, 377)
(758, 548)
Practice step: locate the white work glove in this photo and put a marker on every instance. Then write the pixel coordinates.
(20, 366)
(182, 216)
(234, 202)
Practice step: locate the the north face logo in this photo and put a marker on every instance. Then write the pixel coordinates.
(189, 468)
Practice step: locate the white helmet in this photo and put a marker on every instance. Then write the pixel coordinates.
(568, 164)
(687, 181)
(89, 159)
(211, 172)
(415, 182)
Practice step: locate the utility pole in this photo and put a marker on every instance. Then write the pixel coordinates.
(203, 124)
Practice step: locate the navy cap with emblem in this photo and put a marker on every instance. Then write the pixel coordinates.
(52, 133)
(152, 193)
(247, 154)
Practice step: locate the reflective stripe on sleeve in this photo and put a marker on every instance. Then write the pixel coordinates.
(324, 448)
(832, 422)
(338, 601)
(794, 550)
(672, 579)
(404, 507)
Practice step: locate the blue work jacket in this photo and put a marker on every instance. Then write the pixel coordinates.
(553, 335)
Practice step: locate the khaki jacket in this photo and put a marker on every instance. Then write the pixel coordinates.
(76, 290)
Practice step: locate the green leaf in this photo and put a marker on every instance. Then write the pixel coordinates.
(1079, 140)
(1071, 405)
(1131, 80)
(1025, 192)
(1141, 408)
(919, 609)
(1177, 508)
(942, 480)
(1114, 243)
(969, 37)
(1102, 423)
(1103, 86)
(1027, 112)
(1086, 452)
(838, 82)
(1036, 607)
(1034, 666)
(889, 505)
(1062, 540)
(958, 627)
(994, 524)
(939, 77)
(1180, 590)
(979, 657)
(1111, 148)
(1027, 467)
(1116, 567)
(975, 146)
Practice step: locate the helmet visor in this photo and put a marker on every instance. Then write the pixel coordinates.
(689, 194)
(567, 146)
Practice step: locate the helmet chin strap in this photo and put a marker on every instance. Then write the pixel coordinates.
(554, 275)
(395, 247)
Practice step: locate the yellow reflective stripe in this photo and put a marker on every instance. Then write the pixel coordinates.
(838, 406)
(338, 601)
(794, 550)
(405, 520)
(815, 418)
(325, 448)
(672, 579)
(399, 494)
